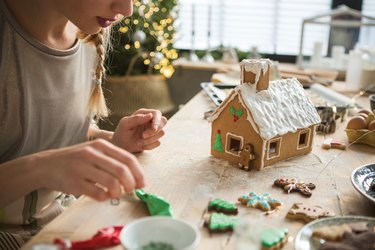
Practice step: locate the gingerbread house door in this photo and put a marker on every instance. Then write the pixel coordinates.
(246, 157)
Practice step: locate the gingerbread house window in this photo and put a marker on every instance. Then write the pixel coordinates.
(234, 144)
(303, 138)
(274, 148)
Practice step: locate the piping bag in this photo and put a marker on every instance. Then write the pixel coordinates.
(156, 205)
(106, 237)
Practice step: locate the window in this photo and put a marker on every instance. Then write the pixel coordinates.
(234, 144)
(367, 34)
(303, 139)
(274, 148)
(273, 26)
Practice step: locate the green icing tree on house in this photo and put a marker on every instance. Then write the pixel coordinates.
(218, 144)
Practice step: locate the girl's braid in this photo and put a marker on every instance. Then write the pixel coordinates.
(97, 105)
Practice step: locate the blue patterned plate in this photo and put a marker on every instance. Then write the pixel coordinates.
(362, 178)
(304, 241)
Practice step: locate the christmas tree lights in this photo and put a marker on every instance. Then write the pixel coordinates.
(146, 39)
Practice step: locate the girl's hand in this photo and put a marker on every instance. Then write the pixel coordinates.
(96, 168)
(140, 131)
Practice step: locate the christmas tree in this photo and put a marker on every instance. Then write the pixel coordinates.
(218, 144)
(143, 42)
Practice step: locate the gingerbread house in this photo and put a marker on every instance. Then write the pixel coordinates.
(262, 122)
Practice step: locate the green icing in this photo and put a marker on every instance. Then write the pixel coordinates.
(218, 144)
(155, 204)
(239, 112)
(158, 246)
(236, 112)
(223, 205)
(273, 236)
(222, 222)
(232, 110)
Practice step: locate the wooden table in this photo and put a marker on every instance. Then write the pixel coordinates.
(182, 171)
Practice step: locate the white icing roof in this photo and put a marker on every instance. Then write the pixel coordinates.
(284, 107)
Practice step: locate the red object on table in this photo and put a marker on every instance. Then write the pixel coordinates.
(106, 237)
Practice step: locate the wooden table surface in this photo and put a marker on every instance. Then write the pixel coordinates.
(182, 171)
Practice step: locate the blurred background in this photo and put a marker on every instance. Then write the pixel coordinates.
(164, 52)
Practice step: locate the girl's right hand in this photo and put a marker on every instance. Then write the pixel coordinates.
(96, 168)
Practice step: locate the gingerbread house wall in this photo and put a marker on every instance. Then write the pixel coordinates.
(241, 128)
(289, 145)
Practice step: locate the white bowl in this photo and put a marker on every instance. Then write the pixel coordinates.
(160, 229)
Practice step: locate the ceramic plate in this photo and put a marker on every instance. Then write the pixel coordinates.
(362, 178)
(304, 241)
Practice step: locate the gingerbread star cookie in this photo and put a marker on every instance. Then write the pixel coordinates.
(292, 185)
(264, 202)
(222, 206)
(300, 211)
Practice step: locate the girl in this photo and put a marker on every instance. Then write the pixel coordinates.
(51, 70)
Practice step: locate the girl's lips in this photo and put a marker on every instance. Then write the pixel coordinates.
(104, 22)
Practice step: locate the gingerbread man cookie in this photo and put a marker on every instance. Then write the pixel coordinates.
(300, 211)
(264, 202)
(292, 185)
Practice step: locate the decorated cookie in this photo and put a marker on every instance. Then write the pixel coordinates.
(364, 240)
(330, 143)
(264, 202)
(222, 206)
(220, 223)
(273, 238)
(300, 211)
(359, 227)
(292, 185)
(332, 233)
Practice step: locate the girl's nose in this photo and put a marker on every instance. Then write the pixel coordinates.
(123, 7)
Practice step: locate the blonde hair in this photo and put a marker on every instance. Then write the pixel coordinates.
(97, 105)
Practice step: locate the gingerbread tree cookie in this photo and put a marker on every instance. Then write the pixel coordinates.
(300, 211)
(222, 206)
(273, 238)
(264, 202)
(219, 222)
(292, 185)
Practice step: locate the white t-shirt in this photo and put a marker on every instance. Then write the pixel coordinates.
(44, 95)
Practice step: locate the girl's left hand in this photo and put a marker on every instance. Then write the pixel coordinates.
(140, 131)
